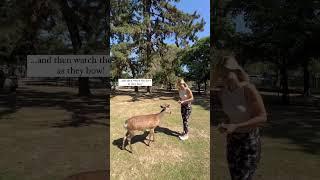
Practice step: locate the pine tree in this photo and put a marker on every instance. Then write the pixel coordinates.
(145, 25)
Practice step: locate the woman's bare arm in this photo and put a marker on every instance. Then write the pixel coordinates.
(257, 108)
(217, 99)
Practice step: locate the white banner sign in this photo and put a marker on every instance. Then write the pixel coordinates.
(68, 66)
(135, 82)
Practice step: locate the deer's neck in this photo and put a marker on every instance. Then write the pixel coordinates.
(161, 114)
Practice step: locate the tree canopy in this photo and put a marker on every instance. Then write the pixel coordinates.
(196, 60)
(285, 33)
(141, 30)
(52, 27)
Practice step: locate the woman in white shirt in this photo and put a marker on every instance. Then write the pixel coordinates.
(244, 107)
(186, 97)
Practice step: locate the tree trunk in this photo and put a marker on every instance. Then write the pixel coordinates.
(133, 70)
(306, 82)
(147, 15)
(148, 89)
(284, 84)
(84, 87)
(199, 88)
(275, 81)
(205, 86)
(277, 85)
(114, 87)
(71, 21)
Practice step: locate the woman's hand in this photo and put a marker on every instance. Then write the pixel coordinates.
(228, 128)
(181, 102)
(221, 129)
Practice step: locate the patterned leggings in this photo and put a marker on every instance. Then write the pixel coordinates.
(243, 154)
(185, 113)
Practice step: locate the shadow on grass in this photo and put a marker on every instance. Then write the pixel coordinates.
(166, 131)
(7, 103)
(137, 138)
(142, 137)
(202, 100)
(85, 111)
(96, 83)
(299, 124)
(5, 111)
(90, 175)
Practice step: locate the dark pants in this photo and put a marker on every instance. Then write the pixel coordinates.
(243, 154)
(185, 113)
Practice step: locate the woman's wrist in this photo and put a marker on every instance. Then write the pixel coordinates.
(254, 122)
(236, 125)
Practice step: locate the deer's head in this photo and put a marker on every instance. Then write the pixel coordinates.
(166, 108)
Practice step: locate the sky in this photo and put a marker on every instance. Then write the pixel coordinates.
(240, 24)
(202, 7)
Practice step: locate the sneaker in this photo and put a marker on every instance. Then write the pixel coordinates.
(184, 137)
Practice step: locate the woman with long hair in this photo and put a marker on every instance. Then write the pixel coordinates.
(186, 97)
(244, 107)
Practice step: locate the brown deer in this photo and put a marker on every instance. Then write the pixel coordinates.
(143, 122)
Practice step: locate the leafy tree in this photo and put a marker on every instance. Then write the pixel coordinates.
(20, 22)
(168, 68)
(86, 24)
(223, 33)
(196, 60)
(57, 27)
(145, 25)
(281, 32)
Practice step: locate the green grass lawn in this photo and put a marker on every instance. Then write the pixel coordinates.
(45, 137)
(167, 157)
(51, 133)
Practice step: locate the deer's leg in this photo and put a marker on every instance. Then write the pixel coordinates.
(152, 131)
(129, 140)
(149, 138)
(124, 139)
(151, 134)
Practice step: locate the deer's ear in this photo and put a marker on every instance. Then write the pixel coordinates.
(161, 106)
(168, 105)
